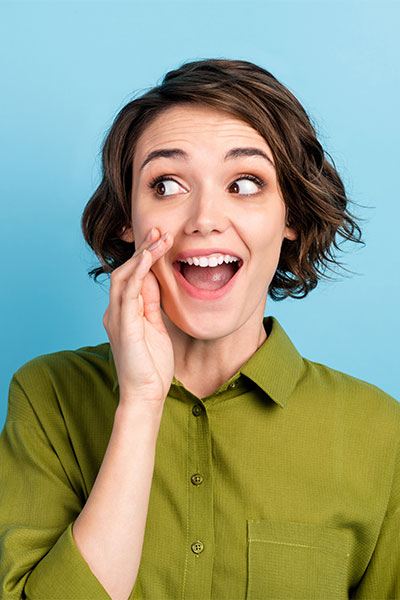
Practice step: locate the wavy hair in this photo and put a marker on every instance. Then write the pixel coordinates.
(314, 194)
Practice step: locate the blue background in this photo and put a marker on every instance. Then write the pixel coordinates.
(66, 70)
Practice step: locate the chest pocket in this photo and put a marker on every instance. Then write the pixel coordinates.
(296, 561)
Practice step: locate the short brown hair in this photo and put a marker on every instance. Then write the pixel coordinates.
(311, 187)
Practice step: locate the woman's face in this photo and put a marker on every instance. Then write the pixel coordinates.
(207, 202)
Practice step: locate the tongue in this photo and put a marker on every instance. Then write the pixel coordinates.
(208, 278)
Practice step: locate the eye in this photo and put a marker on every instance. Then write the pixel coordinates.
(250, 183)
(158, 184)
(159, 187)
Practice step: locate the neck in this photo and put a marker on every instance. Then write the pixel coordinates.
(219, 358)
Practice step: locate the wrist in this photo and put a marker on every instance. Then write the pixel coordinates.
(129, 408)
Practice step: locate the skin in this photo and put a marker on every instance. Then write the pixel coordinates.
(208, 205)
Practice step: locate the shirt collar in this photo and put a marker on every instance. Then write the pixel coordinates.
(275, 367)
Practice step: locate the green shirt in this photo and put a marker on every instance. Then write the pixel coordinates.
(283, 484)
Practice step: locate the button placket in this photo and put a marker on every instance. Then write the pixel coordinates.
(200, 524)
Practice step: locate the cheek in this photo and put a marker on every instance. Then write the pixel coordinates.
(144, 218)
(142, 222)
(159, 270)
(264, 231)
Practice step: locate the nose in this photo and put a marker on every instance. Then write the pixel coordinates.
(206, 212)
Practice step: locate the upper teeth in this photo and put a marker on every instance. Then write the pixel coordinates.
(213, 261)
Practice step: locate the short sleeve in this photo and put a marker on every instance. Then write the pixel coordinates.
(381, 579)
(38, 506)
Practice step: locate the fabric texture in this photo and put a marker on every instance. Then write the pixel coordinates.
(283, 484)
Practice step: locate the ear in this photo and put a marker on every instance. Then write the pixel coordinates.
(127, 234)
(290, 233)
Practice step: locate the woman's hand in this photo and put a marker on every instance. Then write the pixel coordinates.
(142, 349)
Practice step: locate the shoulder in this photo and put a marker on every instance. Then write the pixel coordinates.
(358, 418)
(355, 397)
(64, 364)
(57, 378)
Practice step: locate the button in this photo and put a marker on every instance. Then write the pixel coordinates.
(197, 410)
(232, 385)
(196, 479)
(197, 547)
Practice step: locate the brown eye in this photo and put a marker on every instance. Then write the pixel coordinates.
(161, 184)
(250, 185)
(160, 188)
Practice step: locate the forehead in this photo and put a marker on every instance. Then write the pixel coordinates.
(195, 123)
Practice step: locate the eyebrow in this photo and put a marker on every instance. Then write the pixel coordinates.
(181, 154)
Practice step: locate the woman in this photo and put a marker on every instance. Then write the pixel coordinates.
(198, 455)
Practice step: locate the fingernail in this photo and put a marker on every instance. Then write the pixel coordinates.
(150, 234)
(155, 244)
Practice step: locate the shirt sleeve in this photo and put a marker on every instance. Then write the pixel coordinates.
(381, 579)
(38, 506)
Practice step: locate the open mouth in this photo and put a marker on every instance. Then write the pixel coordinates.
(208, 278)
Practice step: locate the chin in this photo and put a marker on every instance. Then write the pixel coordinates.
(202, 326)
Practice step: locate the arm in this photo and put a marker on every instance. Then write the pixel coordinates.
(109, 531)
(381, 579)
(42, 554)
(38, 556)
(100, 557)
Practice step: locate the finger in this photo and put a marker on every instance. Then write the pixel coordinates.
(120, 280)
(121, 274)
(152, 308)
(131, 311)
(157, 249)
(136, 293)
(124, 271)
